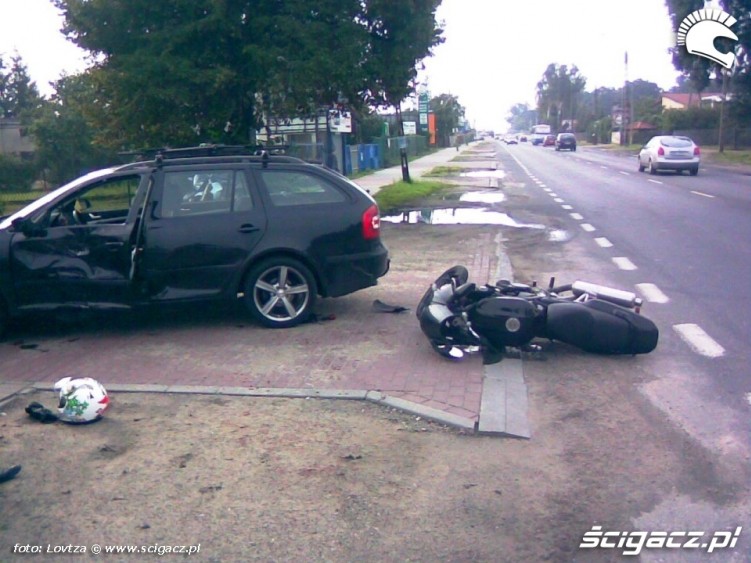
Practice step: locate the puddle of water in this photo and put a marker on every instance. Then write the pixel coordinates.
(483, 197)
(459, 216)
(496, 174)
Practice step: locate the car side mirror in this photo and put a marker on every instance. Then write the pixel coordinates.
(28, 228)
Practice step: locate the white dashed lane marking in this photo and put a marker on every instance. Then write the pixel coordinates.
(654, 181)
(587, 227)
(576, 216)
(702, 194)
(624, 263)
(603, 242)
(700, 341)
(652, 293)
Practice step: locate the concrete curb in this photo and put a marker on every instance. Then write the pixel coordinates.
(377, 397)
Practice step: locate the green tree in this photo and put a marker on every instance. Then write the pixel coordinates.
(557, 94)
(646, 100)
(367, 128)
(188, 71)
(448, 111)
(66, 143)
(16, 174)
(690, 118)
(521, 117)
(401, 35)
(19, 96)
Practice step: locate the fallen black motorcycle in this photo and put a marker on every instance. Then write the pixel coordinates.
(460, 317)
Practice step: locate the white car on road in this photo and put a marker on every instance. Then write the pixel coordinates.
(667, 152)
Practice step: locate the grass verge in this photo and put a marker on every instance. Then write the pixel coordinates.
(402, 193)
(445, 171)
(728, 156)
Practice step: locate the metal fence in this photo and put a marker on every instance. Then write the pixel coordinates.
(417, 145)
(733, 137)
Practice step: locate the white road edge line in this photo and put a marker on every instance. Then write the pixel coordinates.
(587, 227)
(652, 293)
(603, 242)
(624, 263)
(699, 341)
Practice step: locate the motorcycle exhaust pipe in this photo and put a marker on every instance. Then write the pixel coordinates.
(616, 296)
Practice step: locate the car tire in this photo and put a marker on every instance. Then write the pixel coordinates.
(641, 166)
(694, 171)
(651, 167)
(573, 150)
(280, 292)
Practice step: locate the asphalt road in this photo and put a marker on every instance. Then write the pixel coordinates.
(684, 244)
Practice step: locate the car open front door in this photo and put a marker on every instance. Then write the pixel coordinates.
(77, 250)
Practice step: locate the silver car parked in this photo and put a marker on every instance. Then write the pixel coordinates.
(668, 152)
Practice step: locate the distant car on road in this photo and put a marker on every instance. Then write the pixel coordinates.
(510, 140)
(548, 141)
(668, 152)
(565, 141)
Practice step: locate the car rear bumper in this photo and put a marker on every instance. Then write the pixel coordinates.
(350, 273)
(664, 164)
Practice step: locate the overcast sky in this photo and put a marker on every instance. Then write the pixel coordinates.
(495, 51)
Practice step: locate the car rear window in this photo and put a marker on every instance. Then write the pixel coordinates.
(676, 142)
(197, 192)
(286, 187)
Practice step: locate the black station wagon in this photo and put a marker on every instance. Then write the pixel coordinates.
(194, 224)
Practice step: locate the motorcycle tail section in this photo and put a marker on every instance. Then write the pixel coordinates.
(601, 327)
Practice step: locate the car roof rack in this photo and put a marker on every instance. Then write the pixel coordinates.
(206, 150)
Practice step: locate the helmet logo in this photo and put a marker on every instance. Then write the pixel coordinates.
(699, 29)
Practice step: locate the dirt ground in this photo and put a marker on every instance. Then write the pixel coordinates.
(259, 479)
(318, 480)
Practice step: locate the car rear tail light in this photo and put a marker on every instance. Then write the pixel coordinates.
(661, 152)
(697, 152)
(371, 223)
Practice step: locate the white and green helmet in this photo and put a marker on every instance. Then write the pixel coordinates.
(81, 399)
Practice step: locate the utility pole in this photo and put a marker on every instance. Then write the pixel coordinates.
(722, 109)
(403, 146)
(623, 98)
